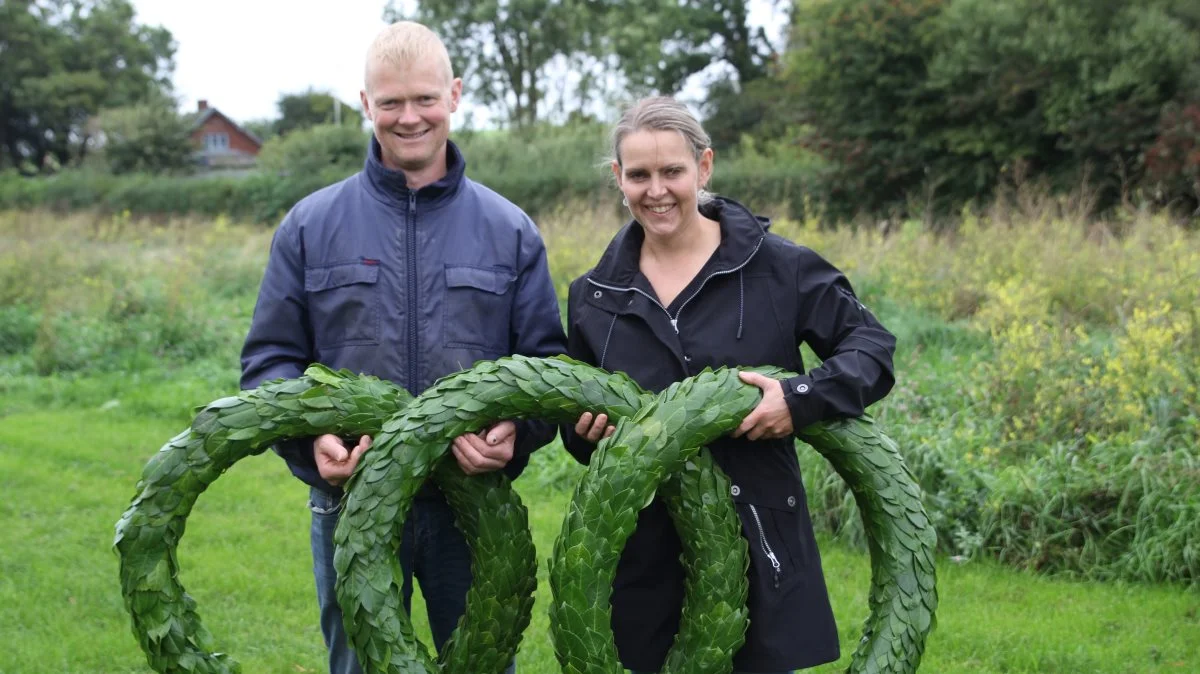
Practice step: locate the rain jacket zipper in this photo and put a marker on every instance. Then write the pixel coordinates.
(413, 337)
(675, 319)
(766, 547)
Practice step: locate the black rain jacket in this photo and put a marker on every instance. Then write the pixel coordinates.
(753, 303)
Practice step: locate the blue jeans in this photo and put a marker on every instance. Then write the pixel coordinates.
(431, 548)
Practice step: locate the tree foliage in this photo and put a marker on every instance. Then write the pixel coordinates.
(519, 56)
(659, 44)
(149, 137)
(311, 108)
(503, 49)
(65, 60)
(942, 97)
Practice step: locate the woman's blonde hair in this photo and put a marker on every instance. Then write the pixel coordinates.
(662, 113)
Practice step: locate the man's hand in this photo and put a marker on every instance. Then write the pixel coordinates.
(593, 429)
(489, 450)
(770, 419)
(335, 460)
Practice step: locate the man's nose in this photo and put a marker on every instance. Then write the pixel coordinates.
(407, 114)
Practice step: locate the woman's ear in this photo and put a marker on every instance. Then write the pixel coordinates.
(706, 166)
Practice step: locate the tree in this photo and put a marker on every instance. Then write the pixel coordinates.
(65, 60)
(262, 127)
(942, 97)
(502, 49)
(310, 108)
(147, 137)
(661, 43)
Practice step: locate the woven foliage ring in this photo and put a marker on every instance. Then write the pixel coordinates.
(654, 449)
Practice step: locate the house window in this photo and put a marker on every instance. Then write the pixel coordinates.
(216, 141)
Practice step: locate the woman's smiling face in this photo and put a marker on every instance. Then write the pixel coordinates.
(658, 173)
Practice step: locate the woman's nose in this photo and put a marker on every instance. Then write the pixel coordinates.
(657, 187)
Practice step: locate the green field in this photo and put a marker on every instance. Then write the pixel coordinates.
(245, 560)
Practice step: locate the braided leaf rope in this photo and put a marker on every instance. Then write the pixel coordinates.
(656, 447)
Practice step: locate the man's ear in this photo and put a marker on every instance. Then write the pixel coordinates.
(366, 105)
(455, 93)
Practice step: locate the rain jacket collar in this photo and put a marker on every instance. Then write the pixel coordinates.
(741, 235)
(392, 186)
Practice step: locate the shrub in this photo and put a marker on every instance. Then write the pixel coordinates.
(314, 150)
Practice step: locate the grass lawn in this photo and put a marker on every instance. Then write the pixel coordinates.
(71, 462)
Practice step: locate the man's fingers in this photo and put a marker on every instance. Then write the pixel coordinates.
(331, 447)
(584, 425)
(501, 432)
(598, 428)
(470, 460)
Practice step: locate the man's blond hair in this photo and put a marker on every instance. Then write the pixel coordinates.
(404, 43)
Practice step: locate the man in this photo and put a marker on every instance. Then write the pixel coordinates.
(408, 271)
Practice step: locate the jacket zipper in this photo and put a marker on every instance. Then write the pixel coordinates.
(411, 236)
(766, 547)
(675, 319)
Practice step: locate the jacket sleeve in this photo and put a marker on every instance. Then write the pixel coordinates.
(536, 331)
(578, 349)
(855, 348)
(279, 343)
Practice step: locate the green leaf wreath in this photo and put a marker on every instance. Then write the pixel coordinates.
(656, 448)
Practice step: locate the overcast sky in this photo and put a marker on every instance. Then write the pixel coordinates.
(241, 55)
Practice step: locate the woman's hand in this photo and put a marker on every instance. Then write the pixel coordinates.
(771, 418)
(593, 429)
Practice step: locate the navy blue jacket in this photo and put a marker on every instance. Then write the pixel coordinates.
(753, 303)
(407, 285)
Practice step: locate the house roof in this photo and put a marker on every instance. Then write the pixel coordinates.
(204, 115)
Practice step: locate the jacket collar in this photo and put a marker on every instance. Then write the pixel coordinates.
(393, 186)
(741, 234)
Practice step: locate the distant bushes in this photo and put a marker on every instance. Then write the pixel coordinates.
(537, 170)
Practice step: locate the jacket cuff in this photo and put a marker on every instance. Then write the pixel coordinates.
(298, 453)
(802, 401)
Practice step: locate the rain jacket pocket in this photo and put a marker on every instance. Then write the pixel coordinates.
(773, 529)
(477, 308)
(343, 300)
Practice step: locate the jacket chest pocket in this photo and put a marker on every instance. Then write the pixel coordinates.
(478, 308)
(343, 303)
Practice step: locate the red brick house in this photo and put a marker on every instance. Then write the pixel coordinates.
(220, 142)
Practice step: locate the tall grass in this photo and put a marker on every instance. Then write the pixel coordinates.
(1047, 371)
(1053, 418)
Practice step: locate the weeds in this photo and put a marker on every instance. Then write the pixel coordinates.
(1047, 371)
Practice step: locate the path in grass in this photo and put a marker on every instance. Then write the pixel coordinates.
(70, 473)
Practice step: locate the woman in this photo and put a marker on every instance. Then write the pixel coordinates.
(696, 281)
